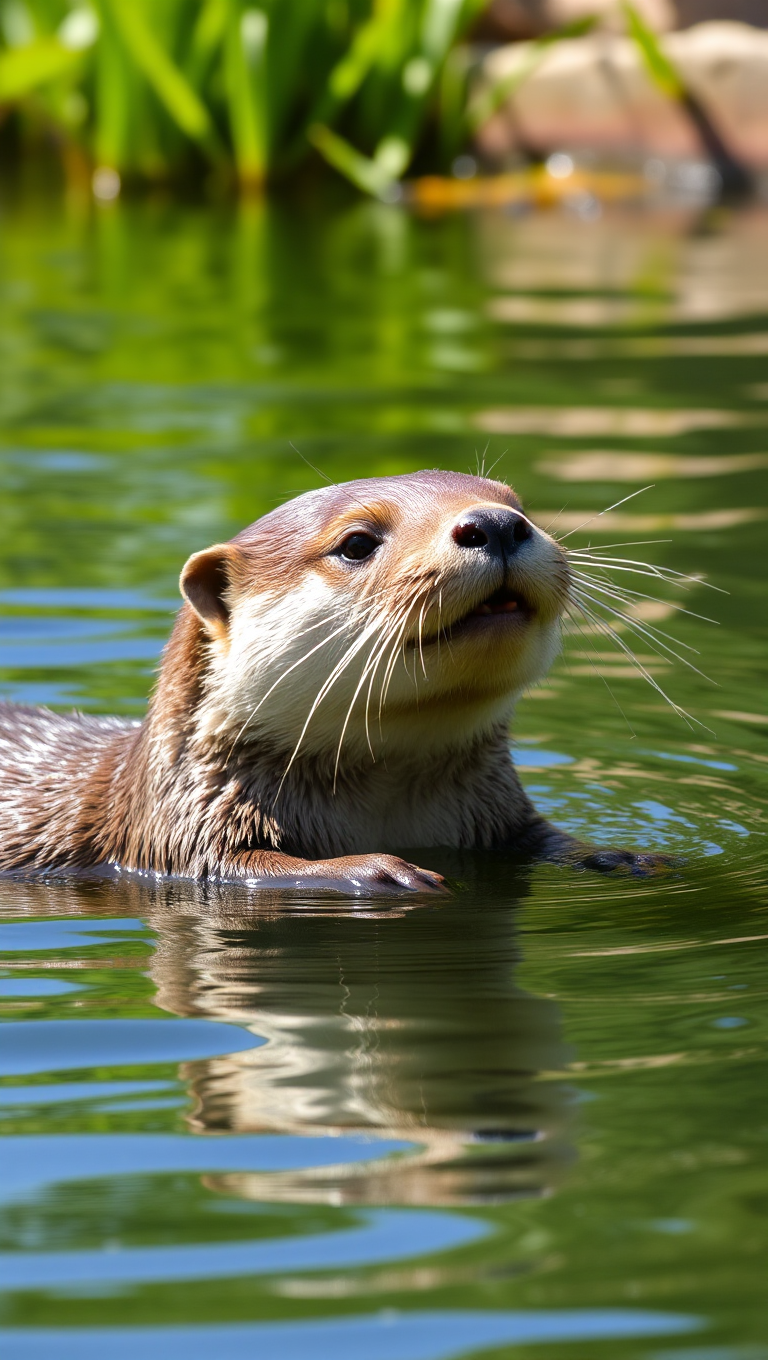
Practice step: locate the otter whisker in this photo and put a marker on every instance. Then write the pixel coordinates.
(294, 666)
(627, 596)
(343, 612)
(604, 627)
(398, 639)
(370, 660)
(330, 680)
(652, 640)
(480, 464)
(417, 646)
(352, 702)
(392, 662)
(595, 593)
(327, 685)
(679, 583)
(399, 625)
(583, 633)
(420, 644)
(495, 462)
(555, 518)
(373, 671)
(371, 666)
(668, 574)
(625, 564)
(424, 606)
(288, 670)
(442, 635)
(390, 669)
(607, 509)
(624, 543)
(433, 585)
(589, 583)
(340, 486)
(652, 636)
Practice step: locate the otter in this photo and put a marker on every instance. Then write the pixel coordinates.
(338, 686)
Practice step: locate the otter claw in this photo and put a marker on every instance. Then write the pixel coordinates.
(358, 876)
(388, 875)
(639, 865)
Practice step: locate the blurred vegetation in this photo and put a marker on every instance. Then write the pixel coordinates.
(153, 89)
(226, 94)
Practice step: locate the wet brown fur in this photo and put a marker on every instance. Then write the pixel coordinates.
(170, 796)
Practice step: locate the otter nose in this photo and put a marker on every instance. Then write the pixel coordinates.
(500, 530)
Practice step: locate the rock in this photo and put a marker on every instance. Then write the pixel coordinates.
(660, 15)
(511, 20)
(594, 94)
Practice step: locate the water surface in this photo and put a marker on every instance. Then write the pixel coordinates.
(531, 1119)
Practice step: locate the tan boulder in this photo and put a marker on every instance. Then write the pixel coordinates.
(594, 94)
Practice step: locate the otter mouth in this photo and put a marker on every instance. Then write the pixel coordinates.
(501, 601)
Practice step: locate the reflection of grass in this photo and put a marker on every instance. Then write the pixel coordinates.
(148, 90)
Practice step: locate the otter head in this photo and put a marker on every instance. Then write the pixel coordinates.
(377, 617)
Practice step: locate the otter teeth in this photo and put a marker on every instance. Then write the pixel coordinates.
(507, 607)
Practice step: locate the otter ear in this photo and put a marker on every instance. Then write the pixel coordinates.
(205, 583)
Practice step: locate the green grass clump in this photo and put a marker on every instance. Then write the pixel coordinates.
(155, 89)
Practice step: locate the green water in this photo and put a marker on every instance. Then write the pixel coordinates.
(531, 1120)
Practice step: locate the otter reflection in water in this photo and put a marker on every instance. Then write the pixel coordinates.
(401, 1024)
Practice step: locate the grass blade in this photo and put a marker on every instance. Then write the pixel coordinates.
(207, 37)
(24, 69)
(170, 86)
(657, 63)
(246, 43)
(371, 174)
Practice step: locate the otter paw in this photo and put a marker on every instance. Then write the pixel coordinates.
(637, 864)
(388, 876)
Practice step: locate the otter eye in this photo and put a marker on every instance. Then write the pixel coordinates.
(358, 546)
